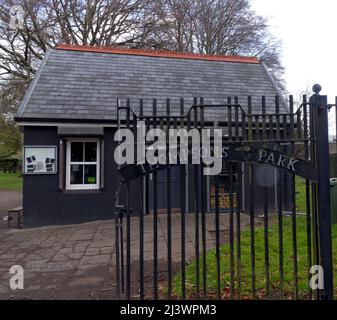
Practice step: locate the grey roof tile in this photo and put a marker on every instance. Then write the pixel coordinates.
(86, 85)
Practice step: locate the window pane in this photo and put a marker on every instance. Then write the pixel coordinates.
(77, 151)
(90, 174)
(91, 151)
(76, 174)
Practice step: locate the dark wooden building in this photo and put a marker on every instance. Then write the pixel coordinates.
(68, 118)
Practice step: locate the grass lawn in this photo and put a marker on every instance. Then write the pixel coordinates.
(300, 196)
(10, 181)
(246, 275)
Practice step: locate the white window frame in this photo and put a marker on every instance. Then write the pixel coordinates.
(69, 163)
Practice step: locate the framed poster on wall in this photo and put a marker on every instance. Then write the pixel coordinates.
(39, 159)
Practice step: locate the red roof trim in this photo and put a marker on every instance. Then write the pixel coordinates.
(158, 53)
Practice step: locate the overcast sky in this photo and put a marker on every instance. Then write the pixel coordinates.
(308, 29)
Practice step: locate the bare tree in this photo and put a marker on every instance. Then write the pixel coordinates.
(202, 26)
(176, 27)
(232, 27)
(229, 27)
(49, 22)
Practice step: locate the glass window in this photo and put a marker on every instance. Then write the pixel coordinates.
(82, 164)
(90, 174)
(76, 151)
(76, 174)
(90, 151)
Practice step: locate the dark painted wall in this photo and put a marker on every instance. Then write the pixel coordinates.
(45, 204)
(162, 189)
(264, 177)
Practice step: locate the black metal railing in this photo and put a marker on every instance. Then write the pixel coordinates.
(168, 242)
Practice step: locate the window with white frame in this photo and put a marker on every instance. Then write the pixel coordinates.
(83, 164)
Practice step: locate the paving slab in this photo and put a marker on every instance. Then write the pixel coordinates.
(79, 262)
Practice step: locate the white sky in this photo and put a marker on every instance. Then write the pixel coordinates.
(308, 29)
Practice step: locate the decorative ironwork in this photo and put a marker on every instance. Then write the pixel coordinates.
(292, 143)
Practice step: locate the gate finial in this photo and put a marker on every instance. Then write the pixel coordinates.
(317, 88)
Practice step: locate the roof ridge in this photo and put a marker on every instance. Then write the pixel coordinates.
(158, 53)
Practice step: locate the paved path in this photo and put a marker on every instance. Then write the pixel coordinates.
(78, 261)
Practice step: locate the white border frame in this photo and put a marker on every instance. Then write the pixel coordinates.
(95, 186)
(38, 146)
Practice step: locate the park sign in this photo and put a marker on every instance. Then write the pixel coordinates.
(236, 153)
(278, 159)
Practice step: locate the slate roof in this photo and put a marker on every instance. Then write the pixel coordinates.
(84, 83)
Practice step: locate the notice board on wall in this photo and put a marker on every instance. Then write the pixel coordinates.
(39, 159)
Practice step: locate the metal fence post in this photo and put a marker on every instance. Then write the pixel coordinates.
(320, 109)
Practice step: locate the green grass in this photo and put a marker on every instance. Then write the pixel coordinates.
(246, 274)
(300, 196)
(10, 181)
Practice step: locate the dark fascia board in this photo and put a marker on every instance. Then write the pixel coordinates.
(84, 121)
(110, 122)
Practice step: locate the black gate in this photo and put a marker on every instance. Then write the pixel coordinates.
(240, 234)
